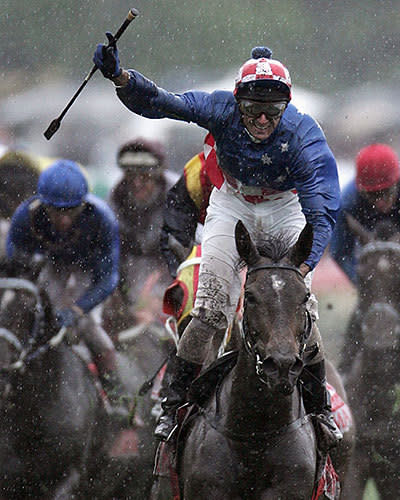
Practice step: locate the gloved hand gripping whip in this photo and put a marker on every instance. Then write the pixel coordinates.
(55, 124)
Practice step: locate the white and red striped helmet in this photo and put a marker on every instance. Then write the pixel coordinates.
(262, 72)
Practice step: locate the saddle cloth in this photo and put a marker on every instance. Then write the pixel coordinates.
(340, 410)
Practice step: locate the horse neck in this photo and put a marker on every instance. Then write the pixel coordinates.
(251, 404)
(44, 374)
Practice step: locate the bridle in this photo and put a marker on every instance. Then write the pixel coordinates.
(380, 246)
(377, 307)
(251, 348)
(33, 349)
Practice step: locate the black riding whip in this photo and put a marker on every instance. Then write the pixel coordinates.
(55, 124)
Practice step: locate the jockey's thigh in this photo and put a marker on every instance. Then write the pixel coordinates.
(219, 283)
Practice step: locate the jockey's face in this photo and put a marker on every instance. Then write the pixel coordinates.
(63, 218)
(383, 200)
(261, 118)
(142, 184)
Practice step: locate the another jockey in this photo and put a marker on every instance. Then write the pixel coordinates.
(371, 197)
(185, 207)
(19, 173)
(276, 173)
(137, 201)
(77, 234)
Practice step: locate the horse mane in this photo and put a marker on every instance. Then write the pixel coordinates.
(275, 247)
(272, 246)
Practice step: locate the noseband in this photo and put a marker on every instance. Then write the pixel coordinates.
(251, 349)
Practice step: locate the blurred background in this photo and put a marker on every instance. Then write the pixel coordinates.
(343, 58)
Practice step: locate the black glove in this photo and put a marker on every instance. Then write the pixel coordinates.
(106, 58)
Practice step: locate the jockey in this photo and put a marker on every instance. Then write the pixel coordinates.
(19, 173)
(138, 201)
(77, 234)
(371, 197)
(276, 173)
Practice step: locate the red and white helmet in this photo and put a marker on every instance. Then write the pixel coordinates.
(261, 72)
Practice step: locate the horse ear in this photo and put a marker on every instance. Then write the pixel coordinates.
(302, 248)
(245, 247)
(359, 230)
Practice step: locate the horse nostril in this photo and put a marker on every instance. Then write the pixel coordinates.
(270, 366)
(297, 367)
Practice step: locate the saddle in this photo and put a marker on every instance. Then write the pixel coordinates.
(203, 386)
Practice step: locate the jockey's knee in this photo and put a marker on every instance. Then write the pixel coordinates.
(195, 341)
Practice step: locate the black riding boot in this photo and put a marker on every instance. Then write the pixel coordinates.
(183, 374)
(317, 400)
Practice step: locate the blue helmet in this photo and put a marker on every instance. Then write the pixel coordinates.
(62, 185)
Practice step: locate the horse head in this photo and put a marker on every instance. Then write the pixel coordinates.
(276, 322)
(24, 310)
(378, 272)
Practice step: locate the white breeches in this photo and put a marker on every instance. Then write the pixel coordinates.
(219, 281)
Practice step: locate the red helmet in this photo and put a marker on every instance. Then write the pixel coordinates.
(377, 168)
(262, 73)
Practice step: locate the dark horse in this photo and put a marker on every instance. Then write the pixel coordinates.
(373, 384)
(253, 439)
(51, 415)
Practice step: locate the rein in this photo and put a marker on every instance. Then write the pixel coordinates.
(254, 439)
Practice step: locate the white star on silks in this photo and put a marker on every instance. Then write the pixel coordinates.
(267, 160)
(284, 147)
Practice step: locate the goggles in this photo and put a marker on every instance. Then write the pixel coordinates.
(254, 109)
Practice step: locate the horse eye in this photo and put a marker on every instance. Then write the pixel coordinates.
(307, 296)
(250, 298)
